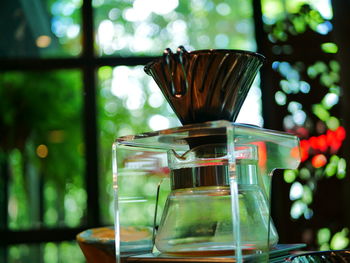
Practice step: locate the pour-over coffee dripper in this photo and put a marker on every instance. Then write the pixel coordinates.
(205, 85)
(219, 171)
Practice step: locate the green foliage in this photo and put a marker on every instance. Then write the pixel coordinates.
(312, 115)
(145, 28)
(44, 110)
(290, 175)
(326, 241)
(320, 112)
(122, 112)
(323, 238)
(297, 22)
(329, 47)
(48, 252)
(340, 240)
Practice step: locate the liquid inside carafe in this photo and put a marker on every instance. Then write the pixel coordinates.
(197, 219)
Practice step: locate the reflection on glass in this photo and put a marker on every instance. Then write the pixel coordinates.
(129, 103)
(42, 145)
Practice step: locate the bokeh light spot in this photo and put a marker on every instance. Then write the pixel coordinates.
(42, 151)
(296, 191)
(158, 122)
(319, 160)
(223, 9)
(289, 176)
(323, 236)
(280, 98)
(329, 47)
(43, 41)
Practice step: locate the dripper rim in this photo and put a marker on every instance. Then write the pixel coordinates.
(240, 51)
(159, 59)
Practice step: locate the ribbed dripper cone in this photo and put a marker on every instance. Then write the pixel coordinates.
(205, 85)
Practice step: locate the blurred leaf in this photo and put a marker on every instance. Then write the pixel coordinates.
(329, 47)
(320, 112)
(290, 176)
(323, 236)
(340, 240)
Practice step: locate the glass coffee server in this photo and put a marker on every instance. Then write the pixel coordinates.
(200, 192)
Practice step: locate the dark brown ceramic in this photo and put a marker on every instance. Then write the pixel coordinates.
(205, 85)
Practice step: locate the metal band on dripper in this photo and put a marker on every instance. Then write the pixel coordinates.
(201, 86)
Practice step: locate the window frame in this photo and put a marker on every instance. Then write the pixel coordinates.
(89, 63)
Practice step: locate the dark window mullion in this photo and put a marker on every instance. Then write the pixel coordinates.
(265, 72)
(10, 237)
(279, 211)
(40, 64)
(342, 39)
(71, 63)
(90, 118)
(4, 184)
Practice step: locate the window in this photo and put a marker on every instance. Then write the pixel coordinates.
(71, 80)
